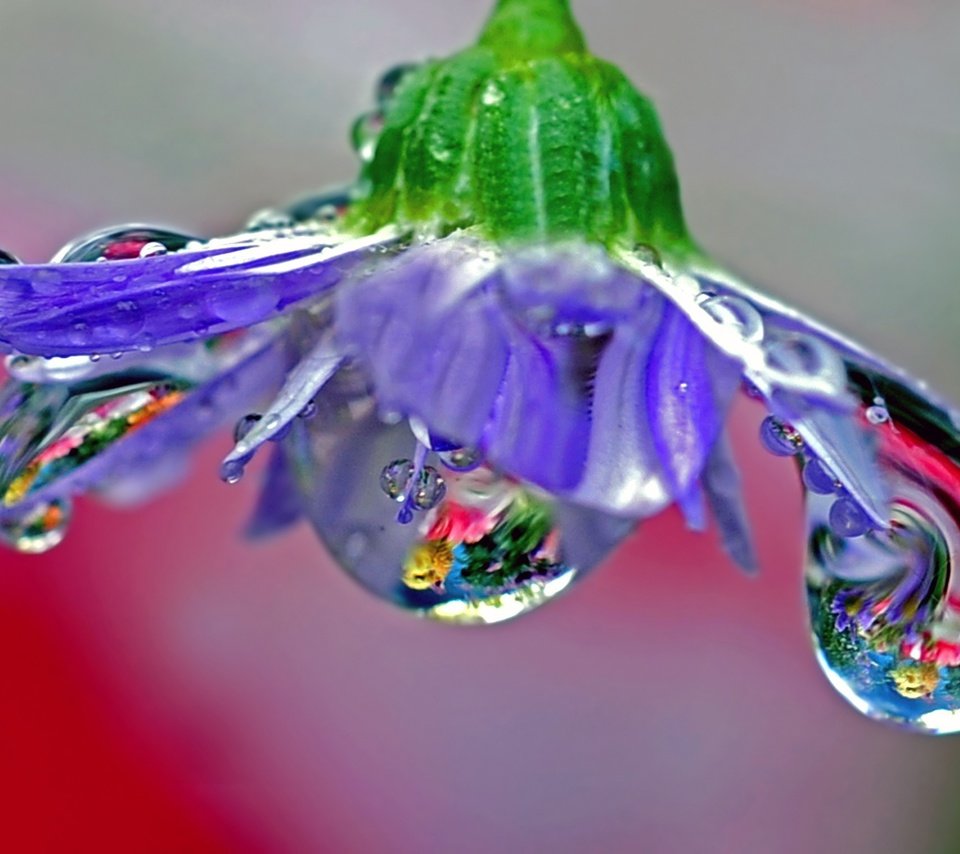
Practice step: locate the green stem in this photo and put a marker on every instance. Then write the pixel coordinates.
(523, 29)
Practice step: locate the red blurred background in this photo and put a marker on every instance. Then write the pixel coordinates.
(169, 687)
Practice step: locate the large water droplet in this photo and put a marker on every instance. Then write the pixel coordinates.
(37, 529)
(119, 243)
(885, 604)
(482, 549)
(365, 133)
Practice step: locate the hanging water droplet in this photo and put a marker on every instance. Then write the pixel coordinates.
(885, 603)
(780, 439)
(487, 550)
(394, 478)
(244, 425)
(37, 529)
(119, 243)
(429, 489)
(461, 459)
(847, 519)
(818, 478)
(231, 471)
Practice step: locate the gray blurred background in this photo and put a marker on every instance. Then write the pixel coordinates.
(818, 142)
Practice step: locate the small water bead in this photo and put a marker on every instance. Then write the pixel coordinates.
(779, 438)
(877, 414)
(461, 459)
(327, 206)
(244, 425)
(429, 489)
(818, 478)
(309, 411)
(391, 80)
(737, 312)
(38, 529)
(395, 477)
(231, 471)
(269, 219)
(365, 133)
(847, 519)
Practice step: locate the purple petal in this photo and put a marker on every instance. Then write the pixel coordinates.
(721, 482)
(689, 387)
(122, 464)
(279, 505)
(114, 306)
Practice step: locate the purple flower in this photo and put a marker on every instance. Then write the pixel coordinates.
(485, 351)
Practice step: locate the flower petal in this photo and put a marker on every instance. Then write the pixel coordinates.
(115, 306)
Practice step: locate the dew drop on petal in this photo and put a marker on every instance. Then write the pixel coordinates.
(465, 547)
(461, 459)
(847, 519)
(885, 603)
(780, 439)
(818, 478)
(244, 425)
(120, 243)
(37, 529)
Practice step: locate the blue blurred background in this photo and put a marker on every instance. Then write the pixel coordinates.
(165, 686)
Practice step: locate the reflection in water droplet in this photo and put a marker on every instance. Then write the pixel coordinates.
(476, 546)
(461, 459)
(734, 311)
(394, 478)
(779, 438)
(120, 243)
(244, 425)
(885, 604)
(39, 528)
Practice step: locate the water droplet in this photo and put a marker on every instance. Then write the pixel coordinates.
(119, 243)
(272, 422)
(309, 411)
(847, 519)
(231, 471)
(885, 605)
(818, 478)
(244, 425)
(487, 550)
(780, 439)
(269, 219)
(8, 258)
(429, 490)
(877, 414)
(365, 133)
(37, 529)
(394, 478)
(391, 80)
(327, 206)
(461, 459)
(737, 312)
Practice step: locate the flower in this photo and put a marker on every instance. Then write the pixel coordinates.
(481, 364)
